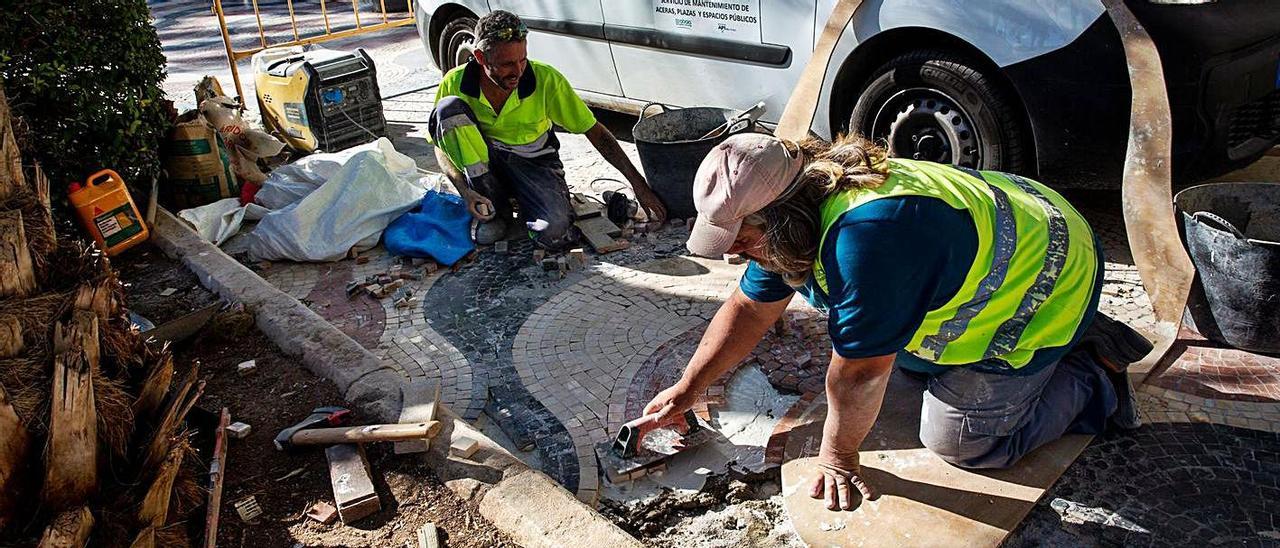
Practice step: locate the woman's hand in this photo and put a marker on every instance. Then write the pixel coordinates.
(841, 480)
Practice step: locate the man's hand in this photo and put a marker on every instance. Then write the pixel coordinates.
(649, 201)
(479, 206)
(840, 482)
(674, 400)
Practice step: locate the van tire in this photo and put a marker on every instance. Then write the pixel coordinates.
(992, 118)
(455, 41)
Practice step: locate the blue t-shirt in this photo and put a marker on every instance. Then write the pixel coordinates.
(888, 263)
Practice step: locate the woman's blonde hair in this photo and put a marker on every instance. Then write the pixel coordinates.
(792, 224)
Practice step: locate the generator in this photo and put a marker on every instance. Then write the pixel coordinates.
(319, 99)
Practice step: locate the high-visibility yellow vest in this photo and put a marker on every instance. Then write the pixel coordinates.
(1031, 280)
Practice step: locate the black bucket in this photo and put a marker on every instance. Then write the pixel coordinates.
(1232, 232)
(671, 148)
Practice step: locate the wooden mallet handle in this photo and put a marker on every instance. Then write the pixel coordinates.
(367, 433)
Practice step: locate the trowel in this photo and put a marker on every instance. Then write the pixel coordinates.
(645, 444)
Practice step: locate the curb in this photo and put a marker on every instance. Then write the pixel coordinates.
(524, 503)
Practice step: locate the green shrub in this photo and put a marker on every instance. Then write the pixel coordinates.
(85, 76)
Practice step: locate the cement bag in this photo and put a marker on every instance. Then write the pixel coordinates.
(439, 228)
(351, 208)
(219, 221)
(224, 114)
(292, 182)
(198, 164)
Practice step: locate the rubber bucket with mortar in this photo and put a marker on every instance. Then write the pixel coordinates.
(672, 145)
(1232, 232)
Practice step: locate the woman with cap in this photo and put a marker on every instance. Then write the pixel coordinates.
(985, 284)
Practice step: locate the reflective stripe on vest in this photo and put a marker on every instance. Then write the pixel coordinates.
(1032, 276)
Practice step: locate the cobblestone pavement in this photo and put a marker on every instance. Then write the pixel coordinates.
(558, 363)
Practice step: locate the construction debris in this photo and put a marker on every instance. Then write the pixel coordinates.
(248, 509)
(323, 512)
(463, 447)
(428, 536)
(239, 430)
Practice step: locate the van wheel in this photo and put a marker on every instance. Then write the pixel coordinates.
(936, 106)
(457, 41)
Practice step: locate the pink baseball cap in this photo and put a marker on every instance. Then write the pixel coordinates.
(739, 177)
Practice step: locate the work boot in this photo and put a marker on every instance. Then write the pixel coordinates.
(488, 232)
(1126, 416)
(1115, 344)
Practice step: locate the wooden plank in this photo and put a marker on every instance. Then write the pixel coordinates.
(69, 529)
(963, 507)
(71, 462)
(217, 471)
(17, 274)
(600, 225)
(428, 536)
(585, 208)
(353, 490)
(420, 399)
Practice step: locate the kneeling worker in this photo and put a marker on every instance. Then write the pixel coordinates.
(985, 284)
(492, 130)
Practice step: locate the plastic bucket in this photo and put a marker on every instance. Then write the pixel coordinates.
(671, 147)
(1232, 233)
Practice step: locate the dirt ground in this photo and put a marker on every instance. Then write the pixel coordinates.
(278, 394)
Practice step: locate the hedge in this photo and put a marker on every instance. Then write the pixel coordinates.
(86, 77)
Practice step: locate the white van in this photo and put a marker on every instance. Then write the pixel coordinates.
(1037, 87)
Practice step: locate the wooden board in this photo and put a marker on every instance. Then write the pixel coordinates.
(960, 507)
(353, 490)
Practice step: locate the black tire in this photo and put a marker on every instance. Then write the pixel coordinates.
(934, 105)
(455, 41)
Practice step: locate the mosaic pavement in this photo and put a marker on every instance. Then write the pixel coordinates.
(558, 363)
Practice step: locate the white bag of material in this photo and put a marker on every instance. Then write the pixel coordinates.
(219, 221)
(350, 209)
(289, 183)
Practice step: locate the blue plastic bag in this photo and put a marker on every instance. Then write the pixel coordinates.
(439, 228)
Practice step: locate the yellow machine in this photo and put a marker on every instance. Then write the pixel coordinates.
(319, 99)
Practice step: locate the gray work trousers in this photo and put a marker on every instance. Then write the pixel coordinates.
(974, 419)
(535, 179)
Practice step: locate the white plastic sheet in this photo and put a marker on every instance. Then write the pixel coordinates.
(291, 183)
(369, 189)
(219, 221)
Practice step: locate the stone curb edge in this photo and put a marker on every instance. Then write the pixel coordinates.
(524, 503)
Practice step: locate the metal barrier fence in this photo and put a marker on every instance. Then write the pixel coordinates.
(234, 56)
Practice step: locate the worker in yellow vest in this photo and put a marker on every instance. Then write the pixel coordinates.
(492, 127)
(985, 284)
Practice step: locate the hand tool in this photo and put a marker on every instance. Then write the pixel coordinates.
(364, 433)
(320, 416)
(645, 444)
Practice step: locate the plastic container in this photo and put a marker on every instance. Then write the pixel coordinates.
(1232, 232)
(108, 213)
(672, 144)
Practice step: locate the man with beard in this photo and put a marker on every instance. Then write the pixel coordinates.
(492, 127)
